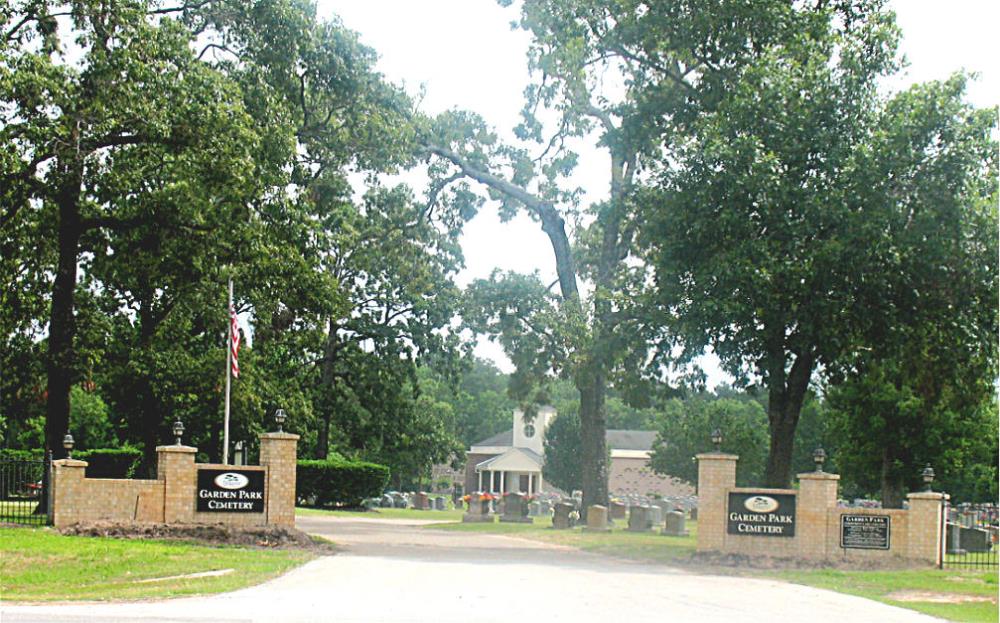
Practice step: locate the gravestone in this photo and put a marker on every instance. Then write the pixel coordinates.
(974, 539)
(597, 519)
(546, 508)
(398, 500)
(618, 510)
(674, 524)
(479, 509)
(440, 504)
(639, 519)
(564, 516)
(655, 515)
(515, 509)
(534, 508)
(421, 502)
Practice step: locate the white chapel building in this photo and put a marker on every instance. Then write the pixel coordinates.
(513, 461)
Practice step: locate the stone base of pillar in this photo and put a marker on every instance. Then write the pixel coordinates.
(469, 518)
(518, 519)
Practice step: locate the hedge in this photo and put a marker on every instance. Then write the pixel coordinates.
(102, 462)
(339, 481)
(110, 462)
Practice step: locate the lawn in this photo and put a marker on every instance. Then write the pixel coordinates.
(39, 564)
(957, 590)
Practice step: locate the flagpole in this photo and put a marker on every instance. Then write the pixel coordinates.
(229, 372)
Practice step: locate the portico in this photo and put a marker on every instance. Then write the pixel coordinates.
(516, 470)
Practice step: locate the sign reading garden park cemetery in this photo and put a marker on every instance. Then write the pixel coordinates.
(761, 514)
(864, 531)
(230, 491)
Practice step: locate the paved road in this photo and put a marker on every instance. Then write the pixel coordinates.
(396, 571)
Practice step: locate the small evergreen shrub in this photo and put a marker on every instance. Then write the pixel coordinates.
(338, 481)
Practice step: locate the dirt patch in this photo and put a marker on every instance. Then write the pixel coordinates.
(717, 560)
(263, 537)
(938, 598)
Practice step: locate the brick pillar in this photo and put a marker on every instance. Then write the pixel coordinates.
(175, 467)
(278, 453)
(924, 524)
(817, 497)
(716, 476)
(67, 491)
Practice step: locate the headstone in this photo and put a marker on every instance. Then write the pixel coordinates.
(534, 508)
(974, 539)
(655, 515)
(421, 501)
(440, 504)
(546, 508)
(639, 519)
(673, 525)
(398, 500)
(618, 510)
(597, 519)
(563, 517)
(479, 509)
(515, 509)
(693, 514)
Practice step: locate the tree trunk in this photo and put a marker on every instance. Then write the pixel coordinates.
(62, 322)
(593, 443)
(150, 415)
(327, 379)
(785, 398)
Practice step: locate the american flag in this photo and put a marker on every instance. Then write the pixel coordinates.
(234, 325)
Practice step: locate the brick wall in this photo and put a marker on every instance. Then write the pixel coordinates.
(171, 498)
(914, 534)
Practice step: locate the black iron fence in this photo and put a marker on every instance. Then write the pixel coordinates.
(970, 536)
(23, 489)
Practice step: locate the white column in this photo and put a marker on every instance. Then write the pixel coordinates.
(540, 482)
(531, 479)
(480, 481)
(492, 488)
(501, 481)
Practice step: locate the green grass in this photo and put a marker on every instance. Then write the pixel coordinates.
(386, 513)
(38, 564)
(880, 585)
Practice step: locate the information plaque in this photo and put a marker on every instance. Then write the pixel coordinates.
(864, 531)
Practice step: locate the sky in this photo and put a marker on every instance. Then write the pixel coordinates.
(465, 55)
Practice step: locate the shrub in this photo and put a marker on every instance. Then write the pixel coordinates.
(110, 462)
(339, 482)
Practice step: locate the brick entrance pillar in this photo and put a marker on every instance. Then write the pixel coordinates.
(716, 476)
(925, 526)
(175, 467)
(278, 452)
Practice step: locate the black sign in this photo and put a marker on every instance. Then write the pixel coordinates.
(864, 531)
(761, 514)
(230, 491)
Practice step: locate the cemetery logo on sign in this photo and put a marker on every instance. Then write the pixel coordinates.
(761, 504)
(760, 514)
(231, 480)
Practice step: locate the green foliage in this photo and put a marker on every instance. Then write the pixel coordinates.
(684, 429)
(562, 451)
(110, 462)
(339, 482)
(88, 420)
